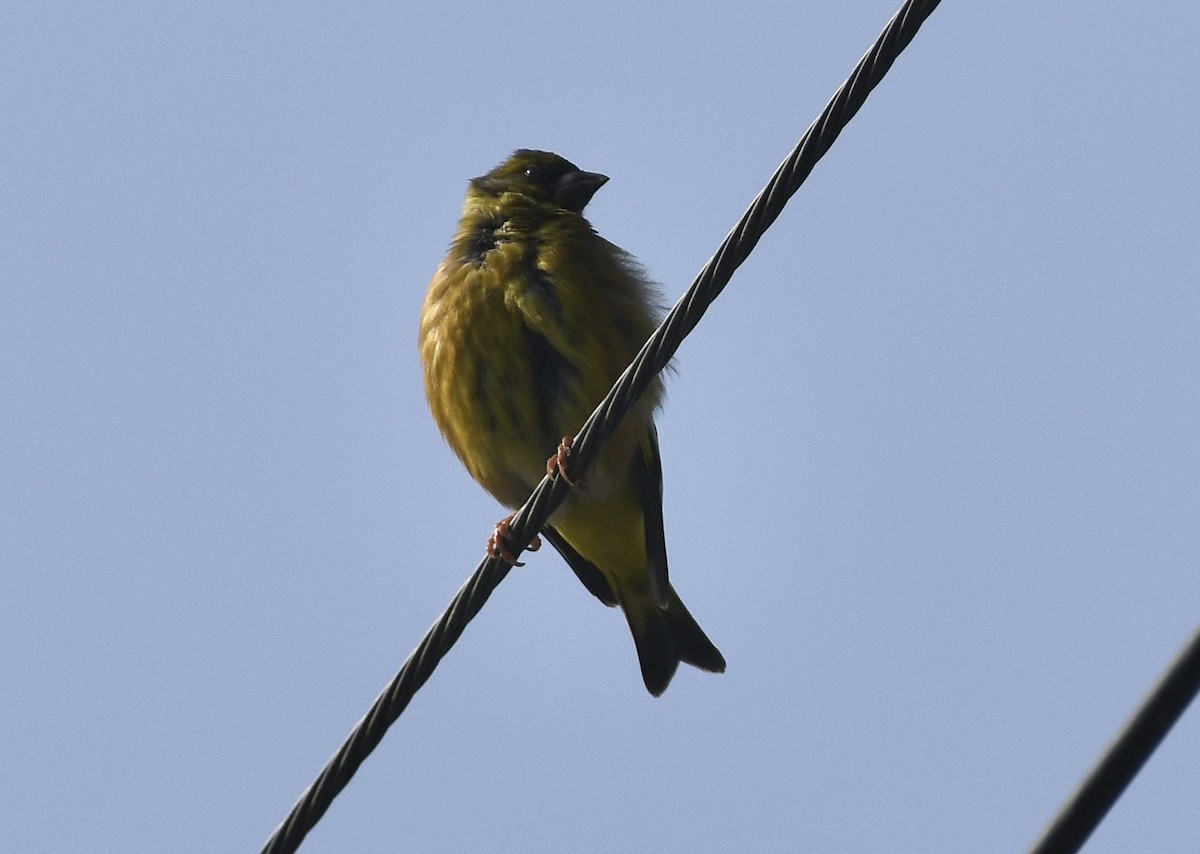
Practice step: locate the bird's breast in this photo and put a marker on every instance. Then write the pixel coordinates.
(497, 384)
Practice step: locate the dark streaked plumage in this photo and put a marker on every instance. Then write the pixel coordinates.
(529, 320)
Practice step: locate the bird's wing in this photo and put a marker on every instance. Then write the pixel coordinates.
(591, 577)
(647, 468)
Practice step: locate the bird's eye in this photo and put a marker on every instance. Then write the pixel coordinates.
(533, 172)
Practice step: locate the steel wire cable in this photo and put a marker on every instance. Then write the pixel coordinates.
(653, 356)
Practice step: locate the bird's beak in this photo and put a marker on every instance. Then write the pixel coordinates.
(575, 189)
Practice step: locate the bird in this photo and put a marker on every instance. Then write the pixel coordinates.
(528, 322)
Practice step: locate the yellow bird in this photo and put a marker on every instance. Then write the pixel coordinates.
(529, 321)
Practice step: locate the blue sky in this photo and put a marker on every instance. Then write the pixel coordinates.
(931, 461)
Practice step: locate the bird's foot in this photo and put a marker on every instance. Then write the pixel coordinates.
(497, 544)
(556, 466)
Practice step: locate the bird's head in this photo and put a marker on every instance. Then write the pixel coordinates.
(542, 177)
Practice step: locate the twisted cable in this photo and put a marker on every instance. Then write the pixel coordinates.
(653, 356)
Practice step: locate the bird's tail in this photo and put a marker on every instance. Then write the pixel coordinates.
(666, 636)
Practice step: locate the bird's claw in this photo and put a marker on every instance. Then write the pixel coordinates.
(556, 466)
(497, 544)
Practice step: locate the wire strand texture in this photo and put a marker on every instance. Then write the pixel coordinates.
(653, 356)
